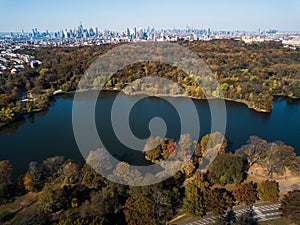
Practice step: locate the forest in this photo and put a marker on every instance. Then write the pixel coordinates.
(62, 191)
(249, 73)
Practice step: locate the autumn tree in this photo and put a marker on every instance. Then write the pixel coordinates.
(279, 158)
(139, 209)
(268, 191)
(189, 167)
(290, 206)
(219, 201)
(246, 193)
(295, 167)
(158, 204)
(211, 141)
(255, 151)
(157, 148)
(35, 177)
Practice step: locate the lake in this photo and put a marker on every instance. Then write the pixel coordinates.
(50, 133)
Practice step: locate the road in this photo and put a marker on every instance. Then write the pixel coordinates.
(262, 212)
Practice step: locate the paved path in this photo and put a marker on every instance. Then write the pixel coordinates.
(262, 212)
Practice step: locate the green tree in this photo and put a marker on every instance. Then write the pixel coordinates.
(195, 201)
(295, 88)
(227, 169)
(71, 173)
(6, 114)
(139, 210)
(52, 200)
(91, 179)
(268, 191)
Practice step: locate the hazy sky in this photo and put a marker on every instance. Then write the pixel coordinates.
(117, 15)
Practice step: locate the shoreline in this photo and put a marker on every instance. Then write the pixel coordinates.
(60, 92)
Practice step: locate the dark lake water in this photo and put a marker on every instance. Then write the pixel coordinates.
(50, 133)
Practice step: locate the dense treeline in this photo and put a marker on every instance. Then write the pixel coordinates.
(67, 192)
(251, 73)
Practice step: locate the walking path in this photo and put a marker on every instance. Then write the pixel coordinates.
(261, 212)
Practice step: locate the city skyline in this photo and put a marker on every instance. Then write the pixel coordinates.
(118, 15)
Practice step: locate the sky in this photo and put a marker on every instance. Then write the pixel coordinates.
(54, 15)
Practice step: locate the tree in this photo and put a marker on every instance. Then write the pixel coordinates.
(219, 201)
(186, 145)
(95, 207)
(246, 193)
(34, 178)
(295, 167)
(268, 191)
(290, 205)
(71, 173)
(139, 209)
(5, 172)
(115, 196)
(255, 151)
(189, 167)
(125, 173)
(279, 158)
(227, 169)
(52, 200)
(100, 161)
(52, 164)
(295, 88)
(195, 201)
(90, 178)
(5, 181)
(6, 114)
(163, 200)
(213, 140)
(157, 148)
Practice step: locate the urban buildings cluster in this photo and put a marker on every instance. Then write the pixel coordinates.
(91, 36)
(14, 62)
(80, 36)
